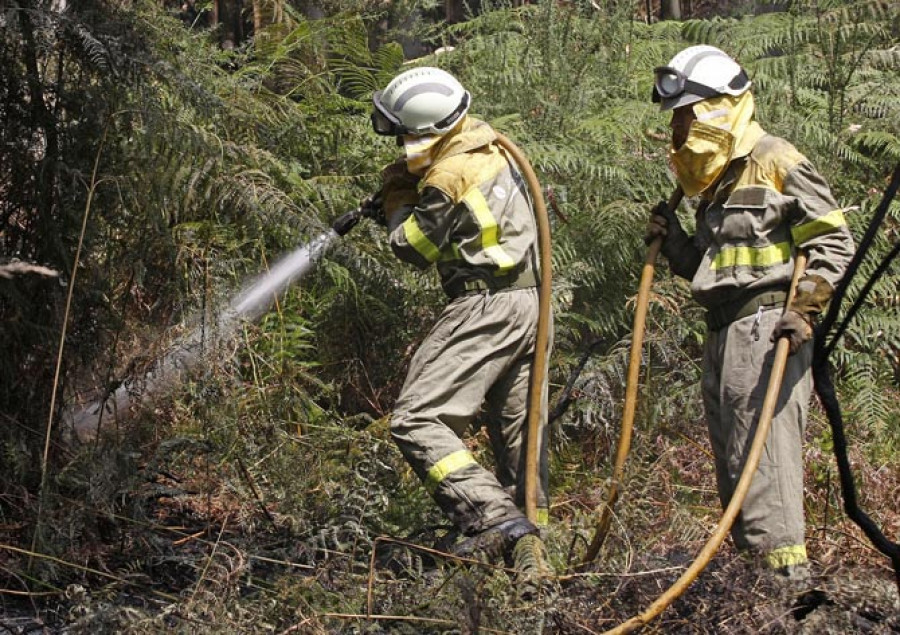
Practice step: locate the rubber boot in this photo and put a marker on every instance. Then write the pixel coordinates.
(496, 542)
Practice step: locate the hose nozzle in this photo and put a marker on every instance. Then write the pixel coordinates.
(344, 223)
(371, 207)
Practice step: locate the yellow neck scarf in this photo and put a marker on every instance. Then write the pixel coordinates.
(421, 150)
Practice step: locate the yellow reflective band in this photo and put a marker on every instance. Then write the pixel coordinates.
(489, 231)
(542, 517)
(419, 241)
(776, 254)
(446, 466)
(786, 556)
(822, 225)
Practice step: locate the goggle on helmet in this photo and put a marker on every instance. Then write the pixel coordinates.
(695, 74)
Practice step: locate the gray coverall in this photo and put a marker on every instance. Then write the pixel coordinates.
(767, 205)
(472, 217)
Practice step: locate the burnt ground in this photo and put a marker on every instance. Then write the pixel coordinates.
(194, 554)
(228, 583)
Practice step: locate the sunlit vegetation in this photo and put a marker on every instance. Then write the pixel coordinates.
(261, 492)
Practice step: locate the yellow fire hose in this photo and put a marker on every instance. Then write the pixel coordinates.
(539, 366)
(631, 387)
(782, 349)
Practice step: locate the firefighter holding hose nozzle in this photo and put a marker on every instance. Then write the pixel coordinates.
(760, 202)
(455, 199)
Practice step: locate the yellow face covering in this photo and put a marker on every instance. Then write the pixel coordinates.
(724, 130)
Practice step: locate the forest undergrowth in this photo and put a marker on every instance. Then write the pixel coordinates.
(258, 528)
(259, 491)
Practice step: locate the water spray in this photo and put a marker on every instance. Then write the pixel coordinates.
(248, 305)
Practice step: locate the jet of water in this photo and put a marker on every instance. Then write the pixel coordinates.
(248, 305)
(258, 296)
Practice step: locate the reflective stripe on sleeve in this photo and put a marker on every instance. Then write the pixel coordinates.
(743, 256)
(446, 466)
(489, 231)
(822, 225)
(786, 556)
(419, 241)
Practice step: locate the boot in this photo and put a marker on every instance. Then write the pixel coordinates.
(496, 542)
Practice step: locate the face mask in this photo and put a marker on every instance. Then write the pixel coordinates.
(419, 152)
(700, 161)
(724, 130)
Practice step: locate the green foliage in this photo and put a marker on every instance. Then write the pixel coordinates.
(833, 63)
(213, 163)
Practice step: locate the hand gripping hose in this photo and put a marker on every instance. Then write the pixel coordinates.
(631, 387)
(782, 349)
(542, 340)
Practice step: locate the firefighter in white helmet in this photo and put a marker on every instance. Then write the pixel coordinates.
(456, 200)
(760, 200)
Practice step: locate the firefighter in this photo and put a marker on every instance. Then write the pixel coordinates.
(760, 201)
(456, 200)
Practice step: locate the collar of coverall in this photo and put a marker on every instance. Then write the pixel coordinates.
(469, 134)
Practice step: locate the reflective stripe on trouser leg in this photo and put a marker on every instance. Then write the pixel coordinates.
(789, 556)
(736, 370)
(508, 405)
(475, 342)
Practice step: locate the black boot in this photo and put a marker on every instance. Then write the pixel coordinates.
(496, 542)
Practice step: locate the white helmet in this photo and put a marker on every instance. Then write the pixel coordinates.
(698, 73)
(419, 101)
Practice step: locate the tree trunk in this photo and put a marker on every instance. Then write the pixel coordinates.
(228, 14)
(44, 121)
(670, 9)
(457, 10)
(453, 10)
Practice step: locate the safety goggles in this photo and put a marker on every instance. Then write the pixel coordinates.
(385, 123)
(671, 83)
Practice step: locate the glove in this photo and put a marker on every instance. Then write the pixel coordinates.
(373, 207)
(813, 294)
(684, 256)
(662, 221)
(399, 189)
(794, 326)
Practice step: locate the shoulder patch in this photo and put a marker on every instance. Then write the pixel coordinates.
(747, 197)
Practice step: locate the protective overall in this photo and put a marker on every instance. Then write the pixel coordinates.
(761, 200)
(455, 200)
